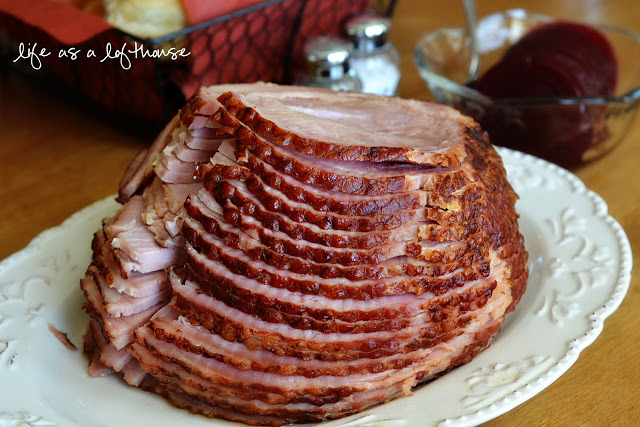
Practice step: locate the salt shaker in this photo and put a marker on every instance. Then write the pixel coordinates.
(328, 65)
(374, 58)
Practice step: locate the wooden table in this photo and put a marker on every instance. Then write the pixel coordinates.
(57, 157)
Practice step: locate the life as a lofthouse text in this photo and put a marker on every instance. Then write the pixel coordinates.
(36, 54)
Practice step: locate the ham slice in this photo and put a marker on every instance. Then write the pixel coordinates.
(163, 204)
(214, 223)
(118, 304)
(172, 328)
(136, 248)
(134, 284)
(91, 351)
(133, 373)
(275, 188)
(113, 358)
(118, 330)
(284, 339)
(434, 278)
(237, 200)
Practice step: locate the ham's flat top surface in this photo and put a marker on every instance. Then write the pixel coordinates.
(401, 129)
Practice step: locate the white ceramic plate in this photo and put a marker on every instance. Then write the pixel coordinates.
(580, 261)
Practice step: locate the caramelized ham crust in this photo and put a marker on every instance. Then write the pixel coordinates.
(291, 255)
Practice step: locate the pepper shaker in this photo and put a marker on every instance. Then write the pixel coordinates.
(328, 65)
(375, 59)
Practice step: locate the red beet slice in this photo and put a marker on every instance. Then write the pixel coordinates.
(586, 45)
(579, 56)
(545, 75)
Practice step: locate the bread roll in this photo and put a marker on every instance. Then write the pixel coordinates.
(146, 18)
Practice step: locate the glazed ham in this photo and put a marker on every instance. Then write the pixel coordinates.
(290, 254)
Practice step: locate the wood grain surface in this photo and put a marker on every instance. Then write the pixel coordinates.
(57, 156)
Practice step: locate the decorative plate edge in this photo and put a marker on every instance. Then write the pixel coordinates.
(597, 317)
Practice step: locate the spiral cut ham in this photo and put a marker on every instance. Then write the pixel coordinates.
(289, 254)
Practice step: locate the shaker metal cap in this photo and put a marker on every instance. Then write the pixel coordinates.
(368, 31)
(328, 51)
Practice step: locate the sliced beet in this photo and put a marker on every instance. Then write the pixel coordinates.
(579, 56)
(560, 59)
(544, 75)
(585, 44)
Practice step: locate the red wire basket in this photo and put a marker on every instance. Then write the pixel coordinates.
(263, 42)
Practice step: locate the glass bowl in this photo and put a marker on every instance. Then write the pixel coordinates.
(568, 131)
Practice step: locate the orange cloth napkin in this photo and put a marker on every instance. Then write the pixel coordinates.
(63, 22)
